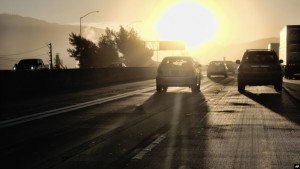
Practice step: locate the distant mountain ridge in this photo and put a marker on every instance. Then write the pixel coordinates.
(239, 49)
(21, 34)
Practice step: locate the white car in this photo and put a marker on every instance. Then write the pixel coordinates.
(178, 71)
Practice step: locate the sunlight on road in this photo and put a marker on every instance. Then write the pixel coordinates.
(173, 130)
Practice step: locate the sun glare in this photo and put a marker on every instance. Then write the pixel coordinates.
(189, 22)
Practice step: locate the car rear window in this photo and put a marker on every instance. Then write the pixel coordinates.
(177, 62)
(216, 64)
(260, 58)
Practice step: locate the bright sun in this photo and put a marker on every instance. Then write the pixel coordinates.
(189, 22)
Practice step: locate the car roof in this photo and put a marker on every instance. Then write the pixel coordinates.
(178, 57)
(216, 61)
(260, 51)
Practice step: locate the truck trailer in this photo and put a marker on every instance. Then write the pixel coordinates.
(289, 49)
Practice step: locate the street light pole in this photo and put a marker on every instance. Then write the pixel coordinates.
(80, 45)
(83, 17)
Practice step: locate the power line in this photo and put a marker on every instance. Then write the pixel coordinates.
(25, 52)
(16, 59)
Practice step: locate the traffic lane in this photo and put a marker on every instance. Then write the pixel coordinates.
(292, 87)
(18, 107)
(107, 154)
(46, 138)
(22, 108)
(51, 141)
(258, 130)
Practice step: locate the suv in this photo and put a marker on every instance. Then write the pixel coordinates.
(30, 64)
(260, 67)
(178, 71)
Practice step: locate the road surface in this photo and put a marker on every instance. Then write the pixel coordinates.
(132, 126)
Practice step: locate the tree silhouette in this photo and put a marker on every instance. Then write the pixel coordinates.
(107, 49)
(133, 48)
(90, 55)
(85, 51)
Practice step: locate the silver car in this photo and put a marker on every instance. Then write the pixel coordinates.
(217, 68)
(178, 71)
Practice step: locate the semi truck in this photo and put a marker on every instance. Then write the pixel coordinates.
(289, 49)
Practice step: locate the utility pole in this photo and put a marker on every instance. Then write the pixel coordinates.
(50, 54)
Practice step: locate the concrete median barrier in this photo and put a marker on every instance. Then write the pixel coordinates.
(47, 81)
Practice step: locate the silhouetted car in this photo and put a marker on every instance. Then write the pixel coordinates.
(260, 67)
(231, 67)
(117, 64)
(217, 68)
(178, 71)
(30, 64)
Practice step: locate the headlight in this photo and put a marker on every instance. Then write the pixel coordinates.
(32, 68)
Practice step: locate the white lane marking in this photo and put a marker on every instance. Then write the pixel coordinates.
(291, 81)
(149, 148)
(61, 110)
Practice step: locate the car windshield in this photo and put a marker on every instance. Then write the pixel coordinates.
(216, 64)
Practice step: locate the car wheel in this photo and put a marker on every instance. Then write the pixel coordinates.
(198, 85)
(195, 88)
(241, 87)
(278, 87)
(158, 88)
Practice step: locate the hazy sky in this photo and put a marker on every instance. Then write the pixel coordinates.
(238, 20)
(195, 21)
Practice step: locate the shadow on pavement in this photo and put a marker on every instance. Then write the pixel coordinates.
(282, 104)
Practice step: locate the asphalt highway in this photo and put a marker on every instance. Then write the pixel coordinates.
(132, 126)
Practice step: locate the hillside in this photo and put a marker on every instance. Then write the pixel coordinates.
(236, 51)
(22, 34)
(217, 51)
